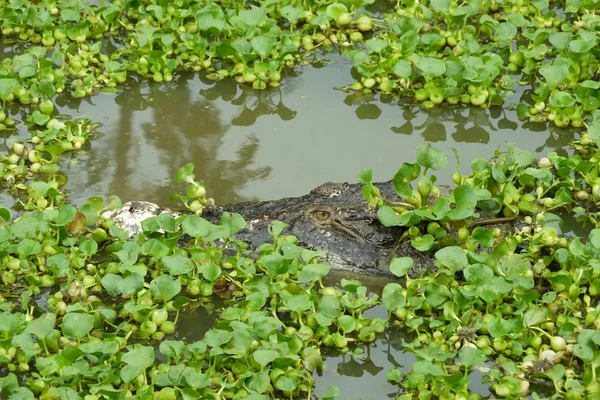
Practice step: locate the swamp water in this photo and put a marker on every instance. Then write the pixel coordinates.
(270, 144)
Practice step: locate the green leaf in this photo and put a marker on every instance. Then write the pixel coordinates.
(28, 247)
(431, 67)
(505, 32)
(5, 214)
(392, 297)
(234, 222)
(131, 284)
(41, 327)
(554, 74)
(263, 45)
(536, 316)
(211, 272)
(7, 87)
(264, 357)
(77, 325)
(451, 257)
(66, 214)
(365, 176)
(195, 226)
(483, 236)
(594, 238)
(423, 243)
(431, 158)
(403, 69)
(285, 384)
(407, 173)
(111, 283)
(177, 264)
(401, 266)
(478, 274)
(138, 360)
(185, 174)
(313, 272)
(335, 10)
(465, 198)
(471, 356)
(165, 287)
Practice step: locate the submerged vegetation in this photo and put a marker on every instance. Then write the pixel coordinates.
(83, 306)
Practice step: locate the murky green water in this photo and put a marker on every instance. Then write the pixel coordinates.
(271, 144)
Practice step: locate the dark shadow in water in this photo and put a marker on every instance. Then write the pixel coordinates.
(258, 103)
(161, 127)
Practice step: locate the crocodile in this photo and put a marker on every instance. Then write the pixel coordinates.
(333, 217)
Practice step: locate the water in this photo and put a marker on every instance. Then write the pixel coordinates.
(248, 144)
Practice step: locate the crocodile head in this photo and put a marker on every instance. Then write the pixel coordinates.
(353, 223)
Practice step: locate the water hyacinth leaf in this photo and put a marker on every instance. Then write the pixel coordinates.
(59, 264)
(347, 324)
(403, 69)
(5, 214)
(172, 348)
(431, 67)
(536, 316)
(483, 236)
(471, 356)
(335, 10)
(477, 274)
(313, 272)
(77, 325)
(195, 226)
(253, 16)
(211, 272)
(28, 247)
(165, 287)
(263, 45)
(365, 176)
(258, 382)
(452, 257)
(400, 266)
(430, 158)
(112, 284)
(388, 217)
(7, 87)
(234, 222)
(217, 337)
(465, 198)
(285, 384)
(185, 174)
(138, 359)
(195, 379)
(292, 14)
(177, 264)
(40, 327)
(594, 238)
(554, 74)
(376, 45)
(407, 173)
(131, 284)
(264, 357)
(298, 303)
(505, 32)
(392, 297)
(423, 243)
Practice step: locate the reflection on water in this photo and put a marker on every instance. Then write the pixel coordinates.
(275, 143)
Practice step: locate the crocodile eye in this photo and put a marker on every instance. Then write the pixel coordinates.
(322, 215)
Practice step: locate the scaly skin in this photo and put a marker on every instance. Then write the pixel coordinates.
(333, 217)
